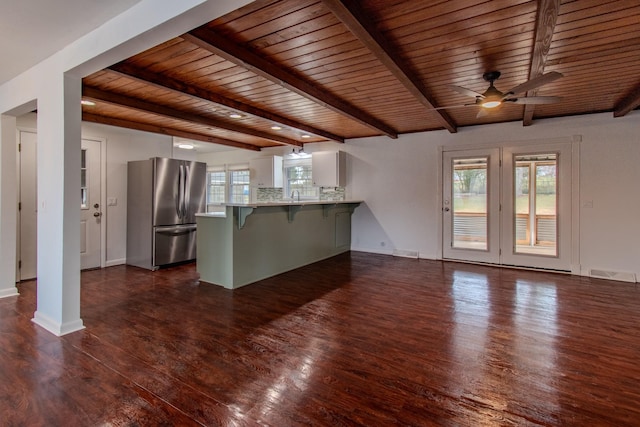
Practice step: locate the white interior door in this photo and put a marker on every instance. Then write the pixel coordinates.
(28, 204)
(471, 205)
(90, 205)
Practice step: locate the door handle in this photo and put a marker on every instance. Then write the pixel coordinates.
(97, 214)
(446, 209)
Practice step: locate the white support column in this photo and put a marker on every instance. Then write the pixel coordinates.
(59, 136)
(8, 206)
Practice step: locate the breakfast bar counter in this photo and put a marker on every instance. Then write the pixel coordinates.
(250, 242)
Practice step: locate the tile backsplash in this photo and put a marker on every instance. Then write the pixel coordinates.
(268, 195)
(331, 193)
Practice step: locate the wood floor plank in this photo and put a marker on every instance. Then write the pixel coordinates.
(358, 339)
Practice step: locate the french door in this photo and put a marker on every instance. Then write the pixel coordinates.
(509, 206)
(471, 204)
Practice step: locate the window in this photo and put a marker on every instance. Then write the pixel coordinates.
(239, 186)
(535, 195)
(470, 198)
(84, 191)
(297, 177)
(216, 185)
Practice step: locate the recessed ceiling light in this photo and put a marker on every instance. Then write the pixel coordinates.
(276, 127)
(87, 102)
(235, 116)
(186, 146)
(306, 136)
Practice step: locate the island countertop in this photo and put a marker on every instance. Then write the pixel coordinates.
(281, 203)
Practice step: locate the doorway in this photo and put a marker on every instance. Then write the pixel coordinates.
(90, 205)
(509, 206)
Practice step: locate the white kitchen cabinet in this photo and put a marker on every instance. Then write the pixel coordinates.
(328, 168)
(266, 172)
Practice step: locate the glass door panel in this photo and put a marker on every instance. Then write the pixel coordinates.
(536, 204)
(535, 190)
(470, 203)
(471, 217)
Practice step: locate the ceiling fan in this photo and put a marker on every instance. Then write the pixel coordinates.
(492, 97)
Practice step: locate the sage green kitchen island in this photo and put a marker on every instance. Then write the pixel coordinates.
(250, 242)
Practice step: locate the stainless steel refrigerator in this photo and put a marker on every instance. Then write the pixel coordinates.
(163, 196)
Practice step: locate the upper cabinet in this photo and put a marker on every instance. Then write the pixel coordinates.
(328, 169)
(266, 172)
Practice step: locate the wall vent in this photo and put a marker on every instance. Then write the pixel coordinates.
(613, 275)
(405, 253)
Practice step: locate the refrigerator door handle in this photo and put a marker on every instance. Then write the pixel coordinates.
(180, 201)
(176, 231)
(187, 190)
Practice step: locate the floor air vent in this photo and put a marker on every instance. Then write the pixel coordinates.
(405, 253)
(613, 275)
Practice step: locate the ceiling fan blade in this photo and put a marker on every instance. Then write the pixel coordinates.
(454, 106)
(535, 82)
(537, 100)
(465, 91)
(482, 113)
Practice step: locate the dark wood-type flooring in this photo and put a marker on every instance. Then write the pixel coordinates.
(358, 339)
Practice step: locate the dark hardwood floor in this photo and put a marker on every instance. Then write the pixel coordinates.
(358, 339)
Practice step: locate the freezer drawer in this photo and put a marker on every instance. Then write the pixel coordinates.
(174, 244)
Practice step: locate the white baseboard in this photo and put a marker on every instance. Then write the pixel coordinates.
(424, 256)
(115, 262)
(54, 327)
(372, 251)
(9, 292)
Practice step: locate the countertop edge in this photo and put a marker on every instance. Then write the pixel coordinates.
(300, 203)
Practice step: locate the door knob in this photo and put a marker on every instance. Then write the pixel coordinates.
(96, 206)
(446, 209)
(97, 214)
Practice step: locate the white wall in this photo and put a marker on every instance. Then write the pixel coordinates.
(398, 179)
(406, 218)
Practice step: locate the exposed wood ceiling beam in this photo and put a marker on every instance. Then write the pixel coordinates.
(545, 26)
(222, 47)
(183, 88)
(630, 101)
(148, 107)
(361, 26)
(94, 118)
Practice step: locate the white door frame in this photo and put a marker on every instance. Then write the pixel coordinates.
(574, 140)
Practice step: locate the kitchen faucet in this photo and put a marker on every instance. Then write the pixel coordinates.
(297, 193)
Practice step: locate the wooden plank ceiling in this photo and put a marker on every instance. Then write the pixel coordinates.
(338, 69)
